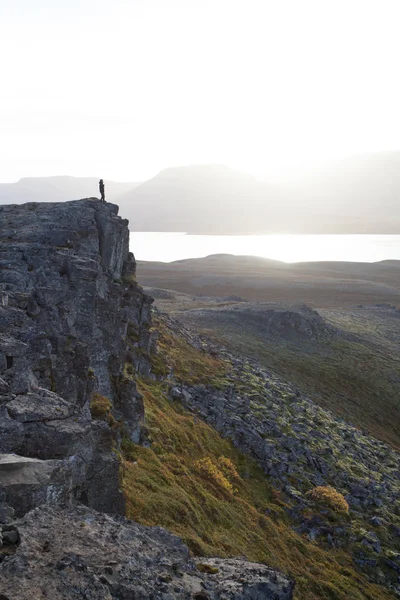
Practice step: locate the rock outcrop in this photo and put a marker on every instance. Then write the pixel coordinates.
(79, 553)
(296, 324)
(75, 330)
(68, 297)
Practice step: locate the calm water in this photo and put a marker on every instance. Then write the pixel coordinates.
(166, 247)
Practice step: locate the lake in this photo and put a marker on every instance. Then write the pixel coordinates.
(166, 247)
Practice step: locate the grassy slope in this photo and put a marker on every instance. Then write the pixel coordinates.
(352, 378)
(227, 508)
(357, 378)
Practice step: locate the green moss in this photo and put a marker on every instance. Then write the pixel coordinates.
(352, 378)
(129, 280)
(158, 365)
(129, 450)
(204, 568)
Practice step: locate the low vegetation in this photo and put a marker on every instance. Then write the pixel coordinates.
(329, 497)
(219, 501)
(100, 406)
(349, 377)
(186, 363)
(211, 471)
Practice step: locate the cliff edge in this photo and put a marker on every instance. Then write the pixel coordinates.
(75, 331)
(68, 297)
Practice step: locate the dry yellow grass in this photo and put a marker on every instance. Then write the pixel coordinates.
(164, 486)
(100, 406)
(329, 497)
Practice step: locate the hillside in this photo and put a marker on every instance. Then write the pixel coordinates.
(344, 353)
(318, 284)
(346, 360)
(121, 429)
(75, 338)
(226, 505)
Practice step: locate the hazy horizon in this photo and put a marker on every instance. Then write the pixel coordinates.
(279, 177)
(358, 195)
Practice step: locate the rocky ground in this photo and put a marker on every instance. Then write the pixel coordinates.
(300, 446)
(79, 553)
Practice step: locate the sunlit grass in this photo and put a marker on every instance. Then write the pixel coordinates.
(180, 483)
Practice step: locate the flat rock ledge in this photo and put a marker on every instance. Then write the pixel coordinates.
(79, 553)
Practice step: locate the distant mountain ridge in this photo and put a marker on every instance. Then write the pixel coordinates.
(58, 189)
(359, 194)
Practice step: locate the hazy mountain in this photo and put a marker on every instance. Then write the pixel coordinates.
(356, 195)
(58, 189)
(200, 198)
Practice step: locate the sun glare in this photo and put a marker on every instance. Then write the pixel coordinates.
(263, 86)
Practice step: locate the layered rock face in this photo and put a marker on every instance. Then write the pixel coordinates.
(68, 297)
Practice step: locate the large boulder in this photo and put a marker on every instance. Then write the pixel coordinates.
(28, 482)
(78, 553)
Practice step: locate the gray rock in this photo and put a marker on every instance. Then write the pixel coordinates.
(80, 553)
(180, 394)
(40, 406)
(68, 297)
(10, 537)
(3, 386)
(28, 482)
(377, 521)
(6, 513)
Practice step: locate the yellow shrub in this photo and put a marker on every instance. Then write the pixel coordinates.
(228, 468)
(329, 497)
(100, 406)
(205, 568)
(210, 470)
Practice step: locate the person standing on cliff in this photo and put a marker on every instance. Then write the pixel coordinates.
(102, 193)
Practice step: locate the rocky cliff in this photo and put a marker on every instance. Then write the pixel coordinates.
(68, 298)
(75, 332)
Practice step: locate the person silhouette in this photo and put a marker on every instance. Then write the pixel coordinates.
(102, 193)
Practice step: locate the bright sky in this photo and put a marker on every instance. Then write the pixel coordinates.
(124, 88)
